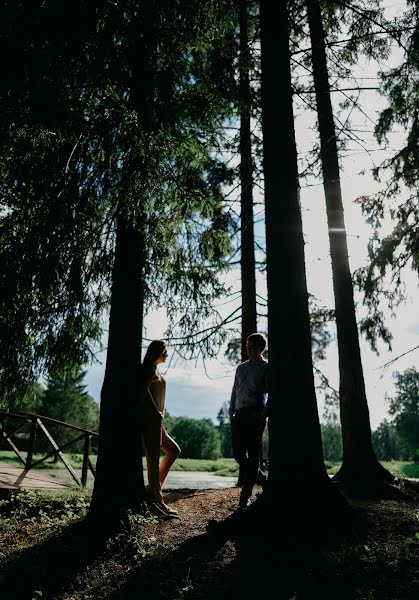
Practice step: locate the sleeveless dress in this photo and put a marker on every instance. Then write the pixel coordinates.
(156, 438)
(158, 390)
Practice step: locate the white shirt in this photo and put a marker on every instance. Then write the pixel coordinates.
(250, 386)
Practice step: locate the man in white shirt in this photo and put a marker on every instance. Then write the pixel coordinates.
(248, 412)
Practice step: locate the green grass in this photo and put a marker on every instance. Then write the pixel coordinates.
(398, 468)
(75, 460)
(403, 469)
(229, 467)
(49, 508)
(223, 466)
(226, 467)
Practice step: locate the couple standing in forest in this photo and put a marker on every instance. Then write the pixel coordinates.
(248, 412)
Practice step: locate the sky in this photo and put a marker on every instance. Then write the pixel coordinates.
(199, 392)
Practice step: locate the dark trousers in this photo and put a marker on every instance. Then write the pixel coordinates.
(246, 435)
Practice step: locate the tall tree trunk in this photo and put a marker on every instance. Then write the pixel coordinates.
(360, 467)
(248, 275)
(119, 483)
(294, 428)
(247, 252)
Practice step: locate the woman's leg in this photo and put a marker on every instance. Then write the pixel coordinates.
(152, 440)
(153, 487)
(171, 451)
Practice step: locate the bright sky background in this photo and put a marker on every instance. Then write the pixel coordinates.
(197, 392)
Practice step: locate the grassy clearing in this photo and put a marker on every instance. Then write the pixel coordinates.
(405, 469)
(75, 460)
(48, 508)
(396, 467)
(225, 467)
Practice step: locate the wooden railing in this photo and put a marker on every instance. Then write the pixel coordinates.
(37, 423)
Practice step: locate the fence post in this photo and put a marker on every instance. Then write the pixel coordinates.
(32, 437)
(2, 427)
(85, 466)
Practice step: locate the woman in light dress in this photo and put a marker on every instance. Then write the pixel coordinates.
(155, 436)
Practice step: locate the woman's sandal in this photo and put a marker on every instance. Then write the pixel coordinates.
(157, 509)
(168, 508)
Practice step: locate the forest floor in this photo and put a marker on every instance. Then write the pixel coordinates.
(47, 555)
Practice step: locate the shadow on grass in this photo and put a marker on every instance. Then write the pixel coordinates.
(212, 566)
(45, 568)
(62, 565)
(242, 557)
(258, 552)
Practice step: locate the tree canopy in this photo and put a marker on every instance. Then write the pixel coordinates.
(75, 155)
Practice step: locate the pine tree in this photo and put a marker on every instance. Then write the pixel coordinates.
(291, 382)
(360, 468)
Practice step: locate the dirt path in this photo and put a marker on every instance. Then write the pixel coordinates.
(180, 559)
(383, 565)
(205, 569)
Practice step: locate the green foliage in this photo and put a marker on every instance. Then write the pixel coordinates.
(80, 149)
(381, 280)
(137, 546)
(351, 30)
(409, 470)
(332, 442)
(28, 399)
(320, 318)
(233, 351)
(386, 442)
(65, 399)
(391, 254)
(51, 509)
(198, 438)
(404, 408)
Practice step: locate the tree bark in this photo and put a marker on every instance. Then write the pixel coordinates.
(294, 429)
(248, 275)
(360, 467)
(119, 483)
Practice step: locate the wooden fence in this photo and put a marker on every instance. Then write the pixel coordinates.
(14, 423)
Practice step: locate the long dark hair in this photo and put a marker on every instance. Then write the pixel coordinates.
(154, 350)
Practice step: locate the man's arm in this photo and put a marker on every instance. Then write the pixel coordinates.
(265, 412)
(232, 408)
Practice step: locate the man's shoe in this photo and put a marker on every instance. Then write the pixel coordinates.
(244, 504)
